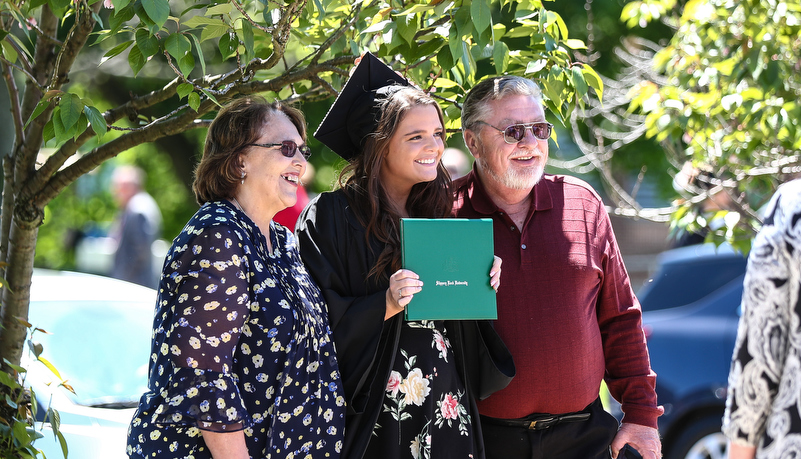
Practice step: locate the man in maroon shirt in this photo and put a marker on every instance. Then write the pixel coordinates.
(566, 309)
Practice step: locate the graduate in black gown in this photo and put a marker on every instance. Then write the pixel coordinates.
(410, 385)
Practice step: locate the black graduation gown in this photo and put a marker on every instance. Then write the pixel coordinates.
(333, 247)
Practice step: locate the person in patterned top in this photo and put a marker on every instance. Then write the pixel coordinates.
(763, 405)
(411, 386)
(242, 363)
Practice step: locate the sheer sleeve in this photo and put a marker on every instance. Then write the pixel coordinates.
(210, 307)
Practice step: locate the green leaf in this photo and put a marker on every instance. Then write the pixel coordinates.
(578, 80)
(536, 66)
(445, 83)
(186, 64)
(183, 89)
(50, 366)
(500, 56)
(63, 442)
(211, 97)
(58, 5)
(213, 31)
(464, 24)
(55, 419)
(406, 28)
(70, 108)
(9, 52)
(96, 120)
(177, 45)
(119, 4)
(426, 48)
(20, 431)
(445, 58)
(417, 8)
(453, 43)
(197, 21)
(136, 60)
(148, 44)
(116, 51)
(223, 8)
(78, 128)
(199, 54)
(157, 10)
(248, 39)
(592, 79)
(377, 27)
(481, 14)
(35, 348)
(228, 45)
(49, 131)
(194, 101)
(120, 17)
(8, 381)
(573, 43)
(467, 60)
(40, 107)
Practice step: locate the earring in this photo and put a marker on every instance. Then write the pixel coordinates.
(243, 178)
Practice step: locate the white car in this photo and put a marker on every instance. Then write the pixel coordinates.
(99, 341)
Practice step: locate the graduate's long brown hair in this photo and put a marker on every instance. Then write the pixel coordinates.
(361, 182)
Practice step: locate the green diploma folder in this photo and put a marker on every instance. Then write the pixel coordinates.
(453, 257)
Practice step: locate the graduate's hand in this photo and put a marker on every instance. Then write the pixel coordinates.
(495, 273)
(402, 287)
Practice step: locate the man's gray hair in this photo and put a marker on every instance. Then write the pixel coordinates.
(475, 108)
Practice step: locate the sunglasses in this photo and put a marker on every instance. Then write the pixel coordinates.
(516, 132)
(288, 148)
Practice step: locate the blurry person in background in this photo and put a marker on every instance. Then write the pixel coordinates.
(289, 216)
(456, 162)
(696, 181)
(135, 228)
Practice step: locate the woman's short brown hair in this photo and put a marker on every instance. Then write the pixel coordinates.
(238, 124)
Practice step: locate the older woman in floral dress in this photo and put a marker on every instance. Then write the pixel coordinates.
(242, 362)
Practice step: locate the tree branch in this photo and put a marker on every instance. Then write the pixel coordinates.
(13, 99)
(25, 154)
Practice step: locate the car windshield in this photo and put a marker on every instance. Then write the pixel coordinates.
(101, 348)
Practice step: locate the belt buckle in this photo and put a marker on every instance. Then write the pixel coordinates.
(541, 424)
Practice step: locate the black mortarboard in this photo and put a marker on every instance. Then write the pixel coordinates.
(355, 112)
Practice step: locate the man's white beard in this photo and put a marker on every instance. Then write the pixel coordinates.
(513, 178)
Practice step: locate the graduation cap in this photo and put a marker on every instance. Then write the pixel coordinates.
(355, 112)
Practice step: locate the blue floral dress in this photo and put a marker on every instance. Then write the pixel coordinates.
(241, 341)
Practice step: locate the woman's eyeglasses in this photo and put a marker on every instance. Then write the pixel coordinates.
(516, 132)
(288, 148)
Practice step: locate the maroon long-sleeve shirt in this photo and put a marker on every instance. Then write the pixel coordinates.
(566, 309)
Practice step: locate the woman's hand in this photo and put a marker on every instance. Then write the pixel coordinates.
(495, 273)
(402, 287)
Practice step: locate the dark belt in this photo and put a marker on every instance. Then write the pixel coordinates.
(538, 423)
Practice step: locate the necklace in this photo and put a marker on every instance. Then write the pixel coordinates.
(239, 206)
(267, 238)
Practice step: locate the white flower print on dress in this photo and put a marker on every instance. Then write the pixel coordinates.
(415, 387)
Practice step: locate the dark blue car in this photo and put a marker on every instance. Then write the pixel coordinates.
(690, 316)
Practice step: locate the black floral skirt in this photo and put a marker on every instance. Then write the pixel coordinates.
(424, 414)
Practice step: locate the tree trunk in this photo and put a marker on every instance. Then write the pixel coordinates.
(21, 247)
